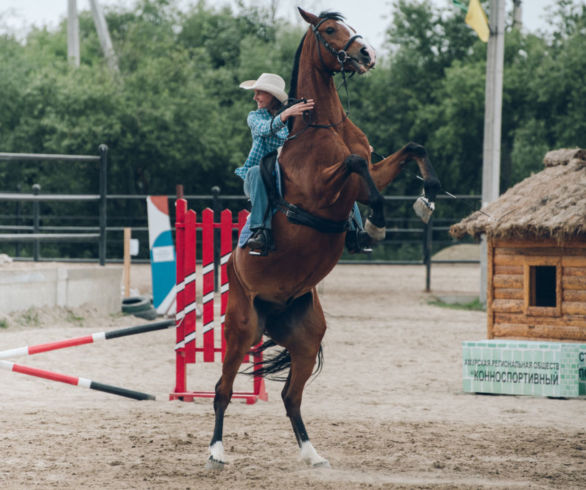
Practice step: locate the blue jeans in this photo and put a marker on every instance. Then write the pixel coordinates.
(254, 188)
(355, 218)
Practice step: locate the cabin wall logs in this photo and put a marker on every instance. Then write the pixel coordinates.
(511, 312)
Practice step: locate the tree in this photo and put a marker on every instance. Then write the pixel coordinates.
(174, 113)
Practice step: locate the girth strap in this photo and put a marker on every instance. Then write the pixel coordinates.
(301, 217)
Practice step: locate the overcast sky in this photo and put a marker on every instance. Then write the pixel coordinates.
(368, 17)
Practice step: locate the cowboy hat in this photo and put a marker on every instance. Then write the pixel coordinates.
(268, 82)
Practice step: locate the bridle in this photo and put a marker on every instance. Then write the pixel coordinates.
(342, 57)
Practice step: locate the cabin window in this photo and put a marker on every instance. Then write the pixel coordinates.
(542, 285)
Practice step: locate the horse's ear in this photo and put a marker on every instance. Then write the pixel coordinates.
(309, 17)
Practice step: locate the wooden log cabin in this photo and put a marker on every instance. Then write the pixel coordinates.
(536, 243)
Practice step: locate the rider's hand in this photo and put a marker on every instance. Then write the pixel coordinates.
(297, 109)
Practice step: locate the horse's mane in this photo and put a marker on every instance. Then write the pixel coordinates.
(295, 72)
(294, 76)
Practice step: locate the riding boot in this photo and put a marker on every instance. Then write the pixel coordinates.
(358, 241)
(261, 242)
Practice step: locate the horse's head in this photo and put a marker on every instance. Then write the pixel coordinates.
(343, 49)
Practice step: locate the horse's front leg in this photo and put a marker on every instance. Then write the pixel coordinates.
(375, 223)
(385, 171)
(332, 181)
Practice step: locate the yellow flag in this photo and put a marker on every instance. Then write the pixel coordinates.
(476, 18)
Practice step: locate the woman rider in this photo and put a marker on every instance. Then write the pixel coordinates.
(268, 126)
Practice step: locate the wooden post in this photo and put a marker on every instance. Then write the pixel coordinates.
(127, 235)
(103, 206)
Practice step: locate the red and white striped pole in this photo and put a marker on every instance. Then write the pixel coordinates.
(75, 381)
(30, 350)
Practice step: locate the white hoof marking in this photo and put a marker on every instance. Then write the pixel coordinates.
(311, 457)
(216, 460)
(375, 232)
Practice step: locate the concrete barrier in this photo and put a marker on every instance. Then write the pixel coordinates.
(66, 286)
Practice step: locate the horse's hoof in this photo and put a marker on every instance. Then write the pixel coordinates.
(214, 464)
(310, 456)
(423, 208)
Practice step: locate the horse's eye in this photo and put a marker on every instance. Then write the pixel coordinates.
(330, 30)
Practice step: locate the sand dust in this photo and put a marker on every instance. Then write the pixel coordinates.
(387, 411)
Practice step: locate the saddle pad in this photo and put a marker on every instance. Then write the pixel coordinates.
(245, 233)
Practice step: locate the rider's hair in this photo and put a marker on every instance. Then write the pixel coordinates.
(276, 106)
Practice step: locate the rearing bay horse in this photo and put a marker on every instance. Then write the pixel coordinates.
(325, 167)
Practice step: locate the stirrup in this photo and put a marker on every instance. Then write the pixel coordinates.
(358, 241)
(261, 242)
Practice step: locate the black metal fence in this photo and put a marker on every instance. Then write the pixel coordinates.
(50, 234)
(34, 232)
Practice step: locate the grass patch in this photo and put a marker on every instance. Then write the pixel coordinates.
(75, 319)
(475, 305)
(30, 318)
(3, 323)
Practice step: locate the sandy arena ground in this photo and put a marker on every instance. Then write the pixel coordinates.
(387, 410)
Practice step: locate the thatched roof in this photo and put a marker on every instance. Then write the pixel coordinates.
(550, 204)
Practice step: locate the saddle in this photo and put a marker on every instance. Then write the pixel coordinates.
(295, 214)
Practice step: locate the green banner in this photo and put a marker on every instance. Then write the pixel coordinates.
(556, 369)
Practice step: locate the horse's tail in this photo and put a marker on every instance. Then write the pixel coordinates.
(269, 367)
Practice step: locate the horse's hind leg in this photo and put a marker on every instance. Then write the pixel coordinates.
(304, 346)
(241, 332)
(301, 369)
(232, 362)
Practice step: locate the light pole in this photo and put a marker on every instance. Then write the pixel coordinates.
(72, 33)
(101, 28)
(493, 102)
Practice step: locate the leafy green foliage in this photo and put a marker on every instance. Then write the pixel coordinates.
(174, 113)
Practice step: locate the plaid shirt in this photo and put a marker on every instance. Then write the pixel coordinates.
(268, 133)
